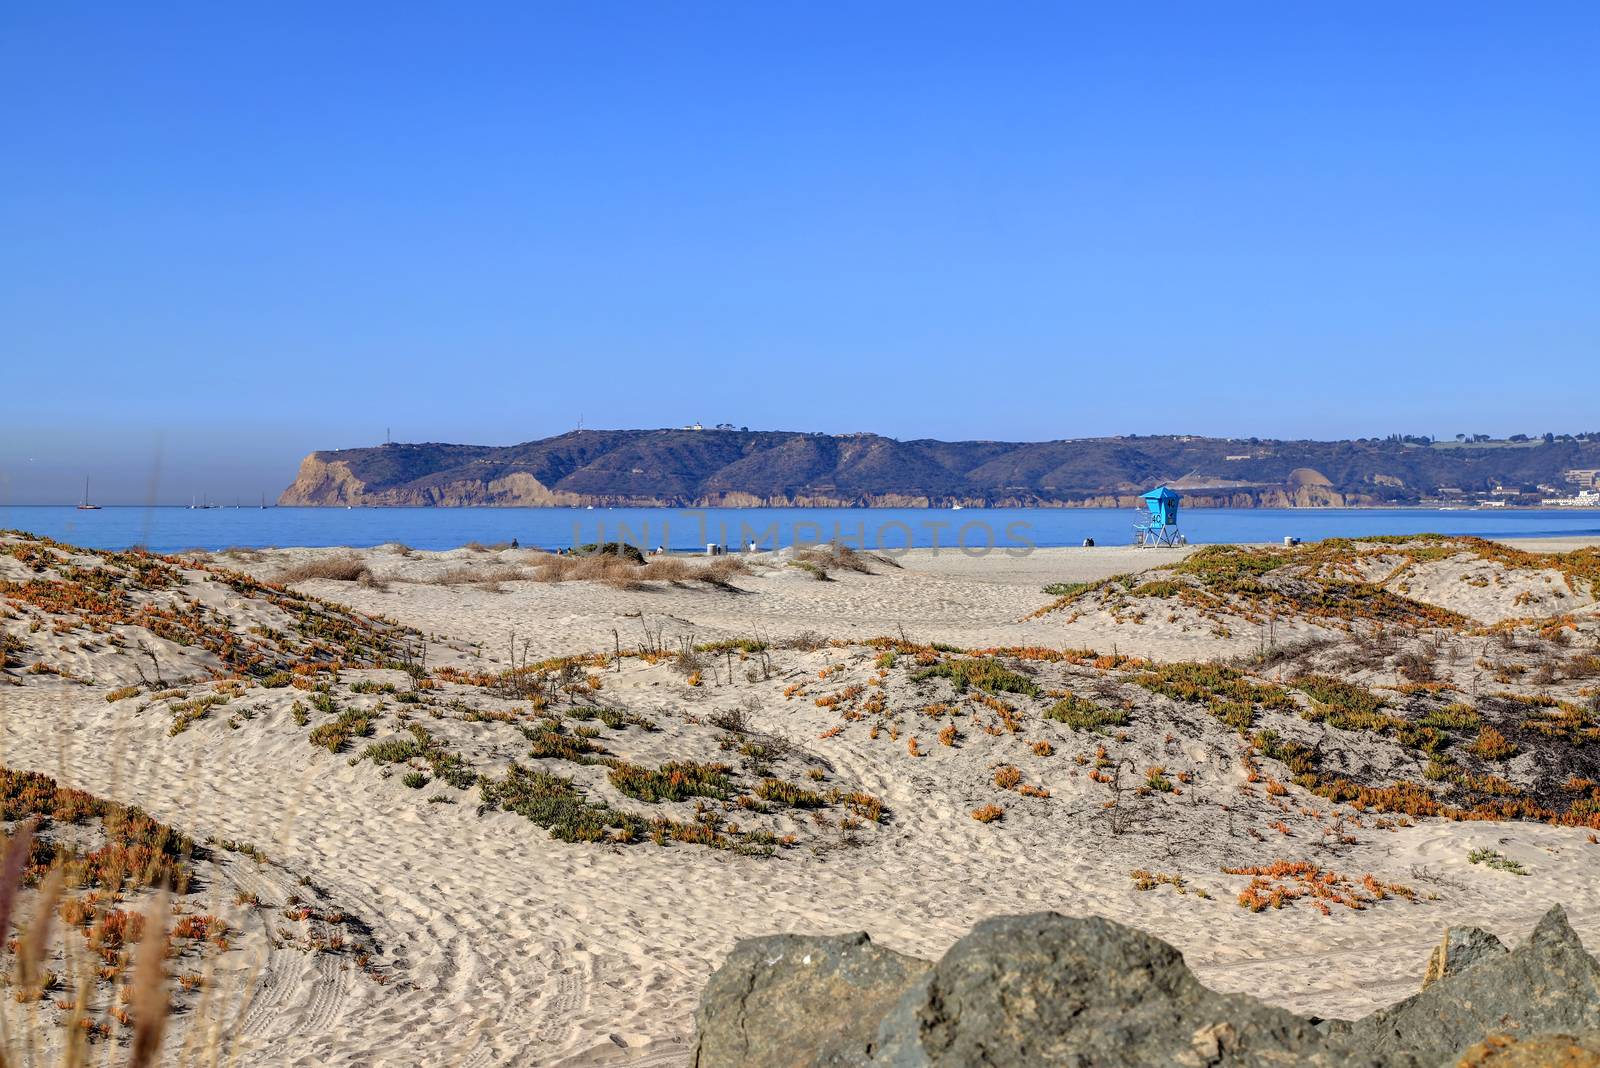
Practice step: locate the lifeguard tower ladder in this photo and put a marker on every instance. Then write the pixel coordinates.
(1161, 523)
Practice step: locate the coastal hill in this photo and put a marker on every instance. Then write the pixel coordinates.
(741, 468)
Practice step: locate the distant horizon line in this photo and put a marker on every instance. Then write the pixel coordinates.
(1544, 437)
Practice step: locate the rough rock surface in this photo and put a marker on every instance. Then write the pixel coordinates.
(1458, 950)
(1547, 985)
(1046, 989)
(790, 1001)
(1542, 1051)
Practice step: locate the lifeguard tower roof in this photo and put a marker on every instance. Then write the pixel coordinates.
(1163, 505)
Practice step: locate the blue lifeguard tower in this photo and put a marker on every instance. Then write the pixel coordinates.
(1161, 522)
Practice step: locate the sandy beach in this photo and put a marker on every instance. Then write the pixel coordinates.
(490, 941)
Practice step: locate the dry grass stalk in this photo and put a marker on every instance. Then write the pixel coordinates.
(11, 869)
(150, 1005)
(36, 940)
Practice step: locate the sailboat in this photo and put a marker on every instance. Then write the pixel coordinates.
(86, 506)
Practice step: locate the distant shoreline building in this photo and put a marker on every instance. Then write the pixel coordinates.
(1584, 499)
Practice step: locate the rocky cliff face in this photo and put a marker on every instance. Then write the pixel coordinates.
(730, 468)
(322, 481)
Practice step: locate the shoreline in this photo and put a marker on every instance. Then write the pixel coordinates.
(1310, 508)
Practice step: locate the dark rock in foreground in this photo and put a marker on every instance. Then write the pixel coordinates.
(1458, 950)
(1548, 984)
(1044, 990)
(794, 1001)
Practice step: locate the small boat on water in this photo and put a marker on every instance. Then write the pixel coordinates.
(86, 506)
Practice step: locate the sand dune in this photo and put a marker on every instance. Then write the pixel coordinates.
(495, 943)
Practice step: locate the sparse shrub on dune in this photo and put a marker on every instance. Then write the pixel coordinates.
(392, 751)
(555, 803)
(1493, 858)
(1458, 716)
(820, 560)
(1278, 884)
(1416, 666)
(185, 713)
(667, 569)
(862, 804)
(1082, 714)
(1144, 879)
(632, 553)
(488, 577)
(988, 813)
(336, 736)
(550, 741)
(1231, 696)
(1492, 745)
(805, 641)
(1347, 706)
(607, 568)
(673, 781)
(743, 645)
(784, 793)
(720, 572)
(623, 571)
(979, 673)
(328, 568)
(1067, 594)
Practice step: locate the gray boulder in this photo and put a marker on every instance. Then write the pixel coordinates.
(1046, 990)
(1547, 985)
(1458, 950)
(792, 1001)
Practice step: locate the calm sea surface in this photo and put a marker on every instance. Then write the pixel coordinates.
(176, 529)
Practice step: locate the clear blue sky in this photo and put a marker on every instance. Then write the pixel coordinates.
(231, 234)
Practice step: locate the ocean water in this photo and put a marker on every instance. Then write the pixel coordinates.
(972, 529)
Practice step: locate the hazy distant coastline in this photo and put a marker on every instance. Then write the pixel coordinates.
(728, 468)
